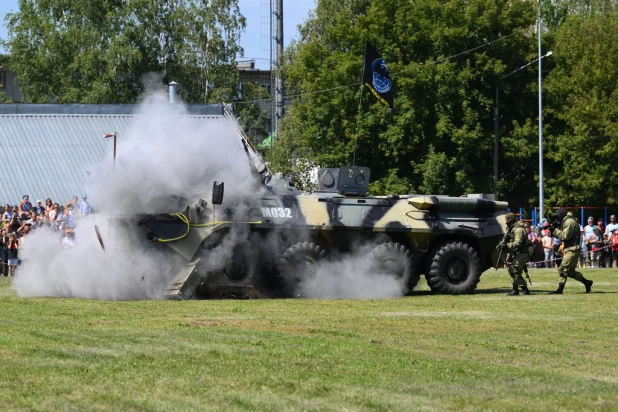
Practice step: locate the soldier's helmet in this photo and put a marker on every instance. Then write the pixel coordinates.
(510, 218)
(561, 213)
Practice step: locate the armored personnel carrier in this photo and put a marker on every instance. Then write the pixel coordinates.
(269, 243)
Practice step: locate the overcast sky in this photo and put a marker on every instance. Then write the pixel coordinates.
(255, 40)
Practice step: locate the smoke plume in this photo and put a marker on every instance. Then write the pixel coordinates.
(166, 153)
(163, 153)
(358, 275)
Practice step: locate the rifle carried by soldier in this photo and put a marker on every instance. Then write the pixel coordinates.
(511, 255)
(527, 275)
(507, 232)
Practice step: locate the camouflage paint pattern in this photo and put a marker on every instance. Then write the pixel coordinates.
(336, 222)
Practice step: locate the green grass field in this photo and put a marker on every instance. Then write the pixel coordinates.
(484, 351)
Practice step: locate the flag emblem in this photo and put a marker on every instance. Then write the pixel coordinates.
(376, 77)
(381, 82)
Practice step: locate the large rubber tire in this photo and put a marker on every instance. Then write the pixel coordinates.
(300, 262)
(244, 264)
(396, 260)
(455, 269)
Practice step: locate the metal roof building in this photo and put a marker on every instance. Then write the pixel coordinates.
(48, 150)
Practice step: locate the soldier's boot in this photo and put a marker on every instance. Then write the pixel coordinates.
(514, 292)
(525, 290)
(588, 284)
(559, 290)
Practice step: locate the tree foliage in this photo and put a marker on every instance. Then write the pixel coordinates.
(98, 51)
(582, 90)
(3, 64)
(439, 138)
(441, 127)
(450, 61)
(251, 114)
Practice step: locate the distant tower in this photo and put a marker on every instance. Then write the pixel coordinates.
(271, 39)
(266, 55)
(277, 24)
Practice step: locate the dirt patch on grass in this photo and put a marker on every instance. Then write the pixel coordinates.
(201, 323)
(104, 322)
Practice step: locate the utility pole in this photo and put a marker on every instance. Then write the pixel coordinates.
(541, 194)
(278, 43)
(496, 142)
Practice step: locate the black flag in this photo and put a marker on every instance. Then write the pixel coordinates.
(376, 77)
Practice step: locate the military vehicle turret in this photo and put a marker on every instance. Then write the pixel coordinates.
(275, 239)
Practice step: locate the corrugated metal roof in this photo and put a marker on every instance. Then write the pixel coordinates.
(44, 108)
(52, 155)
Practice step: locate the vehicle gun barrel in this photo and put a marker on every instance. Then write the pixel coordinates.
(450, 204)
(255, 158)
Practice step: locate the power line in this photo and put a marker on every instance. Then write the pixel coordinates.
(291, 96)
(489, 43)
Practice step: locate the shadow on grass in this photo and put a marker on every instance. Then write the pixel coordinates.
(505, 291)
(476, 292)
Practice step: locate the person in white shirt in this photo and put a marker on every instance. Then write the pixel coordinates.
(594, 245)
(611, 230)
(611, 226)
(548, 248)
(84, 207)
(588, 229)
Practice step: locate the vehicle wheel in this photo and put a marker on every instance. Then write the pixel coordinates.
(396, 260)
(455, 269)
(244, 265)
(300, 262)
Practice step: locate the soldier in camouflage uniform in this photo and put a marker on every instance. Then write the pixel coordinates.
(517, 246)
(566, 228)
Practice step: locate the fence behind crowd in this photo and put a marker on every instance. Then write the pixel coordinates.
(599, 212)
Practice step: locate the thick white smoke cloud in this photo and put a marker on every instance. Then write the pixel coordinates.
(169, 154)
(355, 276)
(163, 153)
(166, 153)
(126, 270)
(349, 279)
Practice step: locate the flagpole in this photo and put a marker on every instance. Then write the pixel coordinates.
(360, 106)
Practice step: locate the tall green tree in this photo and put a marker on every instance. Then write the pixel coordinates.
(3, 64)
(582, 93)
(555, 12)
(440, 135)
(574, 30)
(98, 51)
(250, 111)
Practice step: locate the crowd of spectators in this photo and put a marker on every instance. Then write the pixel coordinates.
(548, 253)
(599, 245)
(19, 221)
